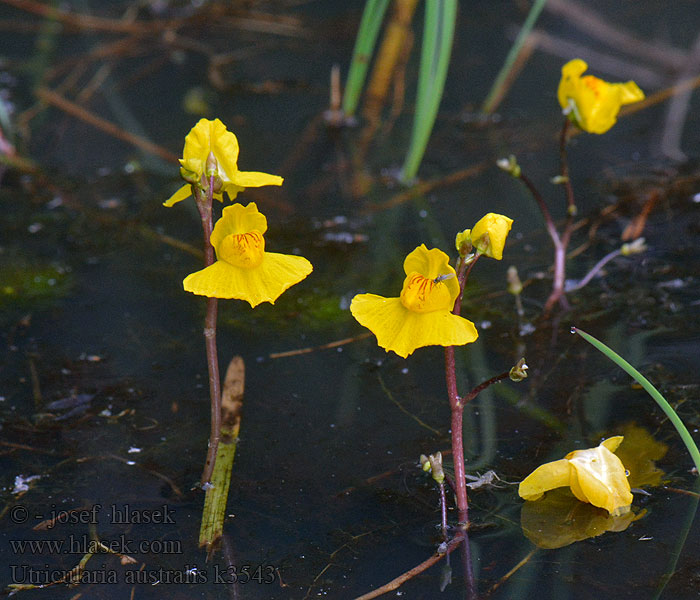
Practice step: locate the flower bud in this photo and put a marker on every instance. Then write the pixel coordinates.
(515, 286)
(433, 464)
(189, 176)
(212, 166)
(490, 233)
(463, 241)
(519, 371)
(635, 247)
(509, 165)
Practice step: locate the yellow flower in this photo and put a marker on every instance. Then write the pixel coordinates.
(212, 136)
(243, 269)
(590, 102)
(463, 242)
(595, 476)
(422, 315)
(489, 235)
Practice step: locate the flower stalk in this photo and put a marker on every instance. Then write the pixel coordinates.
(457, 403)
(203, 202)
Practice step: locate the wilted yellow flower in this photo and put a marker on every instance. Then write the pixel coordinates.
(590, 102)
(243, 269)
(213, 137)
(422, 315)
(594, 475)
(489, 234)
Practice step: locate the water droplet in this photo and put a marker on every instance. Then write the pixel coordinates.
(573, 330)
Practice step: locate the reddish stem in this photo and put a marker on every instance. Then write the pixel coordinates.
(557, 294)
(443, 511)
(204, 205)
(482, 386)
(456, 409)
(564, 168)
(456, 405)
(463, 271)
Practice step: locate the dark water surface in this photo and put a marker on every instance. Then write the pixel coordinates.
(326, 496)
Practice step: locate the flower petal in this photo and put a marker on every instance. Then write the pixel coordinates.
(246, 179)
(265, 283)
(594, 103)
(570, 74)
(232, 190)
(601, 478)
(432, 263)
(546, 477)
(182, 194)
(496, 227)
(224, 145)
(629, 92)
(236, 219)
(402, 331)
(212, 136)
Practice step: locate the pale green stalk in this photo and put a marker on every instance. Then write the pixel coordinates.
(372, 18)
(488, 105)
(440, 19)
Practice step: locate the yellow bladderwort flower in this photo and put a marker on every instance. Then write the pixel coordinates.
(592, 103)
(212, 137)
(594, 475)
(422, 315)
(243, 269)
(489, 235)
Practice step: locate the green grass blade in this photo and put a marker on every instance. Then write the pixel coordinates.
(488, 105)
(372, 18)
(440, 19)
(651, 390)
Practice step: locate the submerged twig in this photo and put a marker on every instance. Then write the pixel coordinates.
(51, 97)
(521, 49)
(397, 582)
(422, 188)
(420, 422)
(512, 572)
(310, 349)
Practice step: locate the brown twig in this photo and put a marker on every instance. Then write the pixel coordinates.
(51, 97)
(424, 187)
(636, 226)
(310, 349)
(81, 21)
(417, 570)
(510, 573)
(601, 28)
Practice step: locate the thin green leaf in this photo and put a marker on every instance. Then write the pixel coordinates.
(372, 18)
(440, 19)
(495, 92)
(651, 390)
